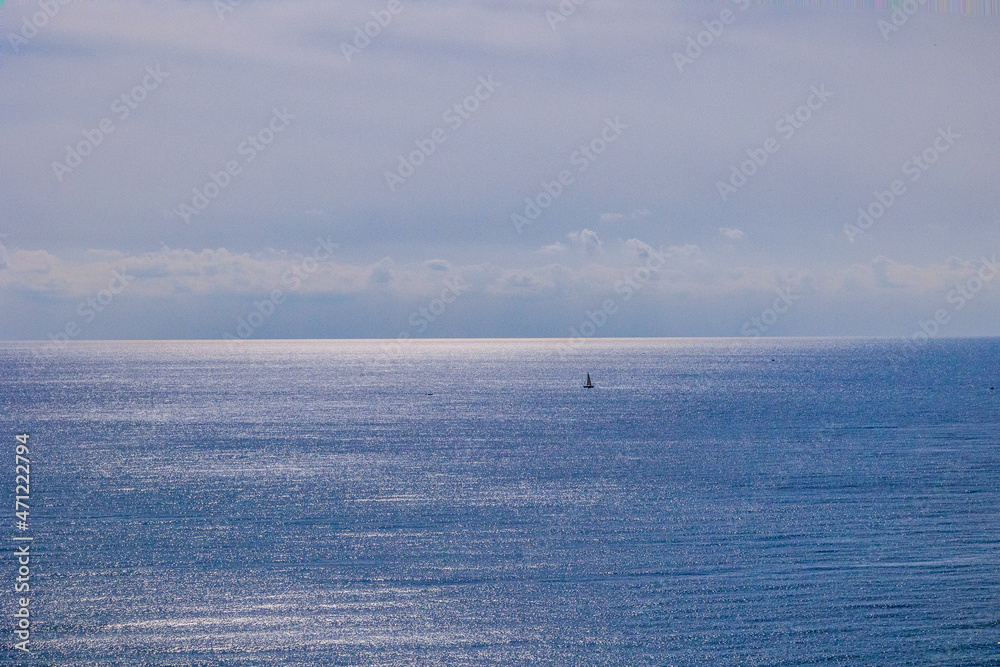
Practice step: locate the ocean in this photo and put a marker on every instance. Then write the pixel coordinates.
(468, 502)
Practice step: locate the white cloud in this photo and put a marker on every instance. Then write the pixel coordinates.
(639, 249)
(732, 234)
(553, 249)
(618, 217)
(586, 240)
(181, 271)
(686, 251)
(548, 279)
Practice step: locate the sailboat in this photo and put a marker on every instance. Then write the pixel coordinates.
(589, 385)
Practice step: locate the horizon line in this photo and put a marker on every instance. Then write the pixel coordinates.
(485, 338)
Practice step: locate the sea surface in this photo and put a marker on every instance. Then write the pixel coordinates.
(709, 502)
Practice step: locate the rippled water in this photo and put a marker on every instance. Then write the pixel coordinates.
(468, 503)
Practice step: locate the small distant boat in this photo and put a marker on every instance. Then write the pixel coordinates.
(589, 385)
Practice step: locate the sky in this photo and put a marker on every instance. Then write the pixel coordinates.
(447, 168)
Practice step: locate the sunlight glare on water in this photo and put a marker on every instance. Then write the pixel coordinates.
(714, 501)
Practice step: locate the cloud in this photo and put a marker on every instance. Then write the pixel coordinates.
(881, 268)
(732, 234)
(518, 282)
(687, 251)
(639, 249)
(170, 271)
(549, 279)
(381, 273)
(704, 281)
(437, 265)
(618, 217)
(553, 249)
(586, 240)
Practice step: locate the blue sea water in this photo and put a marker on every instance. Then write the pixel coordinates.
(710, 502)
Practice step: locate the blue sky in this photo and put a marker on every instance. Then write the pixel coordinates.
(487, 169)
